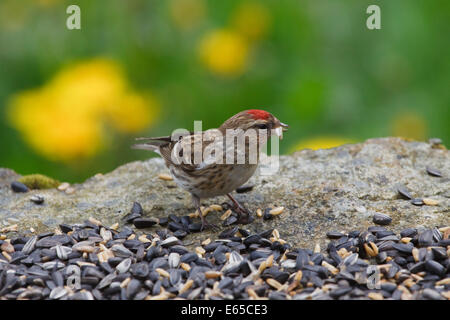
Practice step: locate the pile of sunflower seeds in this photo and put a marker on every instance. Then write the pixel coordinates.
(94, 262)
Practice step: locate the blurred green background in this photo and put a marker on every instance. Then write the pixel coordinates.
(72, 101)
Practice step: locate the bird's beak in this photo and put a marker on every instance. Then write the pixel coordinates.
(279, 130)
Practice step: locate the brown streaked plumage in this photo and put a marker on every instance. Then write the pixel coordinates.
(195, 166)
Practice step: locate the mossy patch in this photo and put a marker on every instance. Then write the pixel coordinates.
(39, 181)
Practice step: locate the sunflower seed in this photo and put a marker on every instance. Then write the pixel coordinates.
(124, 266)
(17, 186)
(434, 172)
(403, 191)
(381, 218)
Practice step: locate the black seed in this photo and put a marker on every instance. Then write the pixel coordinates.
(434, 172)
(417, 202)
(381, 218)
(302, 259)
(354, 234)
(185, 221)
(439, 253)
(180, 234)
(106, 267)
(220, 258)
(17, 186)
(435, 267)
(230, 220)
(400, 260)
(417, 267)
(179, 249)
(334, 235)
(388, 286)
(277, 295)
(163, 221)
(402, 247)
(425, 238)
(340, 292)
(195, 227)
(266, 234)
(140, 270)
(403, 191)
(174, 218)
(144, 222)
(410, 232)
(65, 228)
(189, 257)
(132, 289)
(243, 232)
(174, 226)
(255, 238)
(267, 215)
(228, 233)
(225, 283)
(245, 188)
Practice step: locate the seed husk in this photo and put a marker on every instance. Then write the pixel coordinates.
(259, 213)
(162, 272)
(276, 211)
(430, 202)
(226, 215)
(375, 296)
(165, 177)
(212, 274)
(186, 286)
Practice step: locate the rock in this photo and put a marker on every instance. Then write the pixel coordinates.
(321, 191)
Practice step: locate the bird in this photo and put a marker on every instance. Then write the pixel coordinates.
(213, 163)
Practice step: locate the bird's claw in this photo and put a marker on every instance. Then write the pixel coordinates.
(206, 225)
(245, 218)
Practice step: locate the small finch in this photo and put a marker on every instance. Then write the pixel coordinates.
(216, 162)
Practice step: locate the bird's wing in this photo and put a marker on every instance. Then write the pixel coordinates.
(192, 152)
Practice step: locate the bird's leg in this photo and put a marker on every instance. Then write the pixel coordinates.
(244, 215)
(205, 224)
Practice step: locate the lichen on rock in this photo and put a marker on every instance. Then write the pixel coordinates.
(39, 181)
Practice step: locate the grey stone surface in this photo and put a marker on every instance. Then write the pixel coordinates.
(334, 189)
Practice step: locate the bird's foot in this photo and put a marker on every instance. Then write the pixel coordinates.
(245, 219)
(244, 215)
(208, 225)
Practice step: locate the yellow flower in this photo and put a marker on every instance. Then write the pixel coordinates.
(224, 52)
(64, 120)
(323, 142)
(133, 112)
(409, 125)
(252, 20)
(97, 83)
(187, 14)
(53, 131)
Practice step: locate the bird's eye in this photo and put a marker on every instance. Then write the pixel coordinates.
(261, 126)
